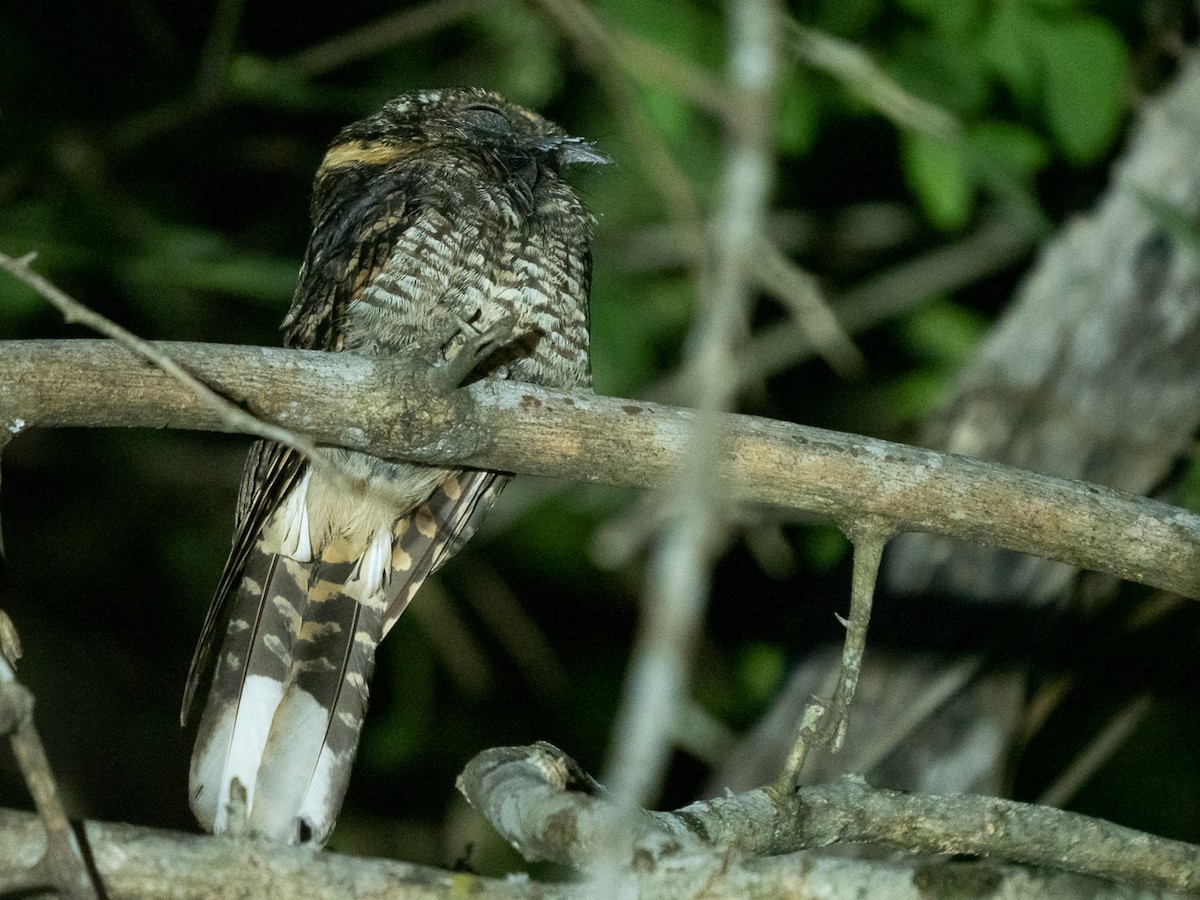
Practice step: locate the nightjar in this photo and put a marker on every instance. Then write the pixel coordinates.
(442, 217)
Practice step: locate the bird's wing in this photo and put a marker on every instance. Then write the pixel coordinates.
(350, 246)
(270, 473)
(437, 530)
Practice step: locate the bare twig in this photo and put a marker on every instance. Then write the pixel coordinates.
(997, 244)
(869, 541)
(387, 32)
(526, 644)
(63, 863)
(851, 65)
(655, 65)
(798, 291)
(595, 48)
(824, 722)
(642, 59)
(678, 573)
(550, 809)
(237, 418)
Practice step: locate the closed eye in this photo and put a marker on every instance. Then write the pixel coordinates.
(486, 118)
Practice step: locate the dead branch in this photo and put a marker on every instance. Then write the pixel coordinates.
(61, 863)
(543, 803)
(387, 407)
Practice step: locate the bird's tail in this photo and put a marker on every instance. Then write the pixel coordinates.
(289, 694)
(289, 690)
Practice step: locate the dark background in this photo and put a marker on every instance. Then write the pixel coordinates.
(158, 157)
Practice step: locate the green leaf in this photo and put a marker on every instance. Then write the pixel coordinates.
(936, 170)
(1084, 61)
(948, 72)
(1010, 50)
(1009, 149)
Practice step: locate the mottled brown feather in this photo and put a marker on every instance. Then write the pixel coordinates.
(439, 217)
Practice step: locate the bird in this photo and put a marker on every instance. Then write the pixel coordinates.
(442, 228)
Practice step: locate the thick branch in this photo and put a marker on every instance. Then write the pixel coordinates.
(145, 864)
(375, 405)
(549, 809)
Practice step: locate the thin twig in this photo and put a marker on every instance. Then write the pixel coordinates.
(653, 64)
(596, 49)
(825, 721)
(238, 419)
(851, 65)
(1098, 751)
(868, 551)
(798, 291)
(526, 643)
(63, 859)
(388, 32)
(997, 244)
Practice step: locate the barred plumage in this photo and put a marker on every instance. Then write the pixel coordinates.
(440, 218)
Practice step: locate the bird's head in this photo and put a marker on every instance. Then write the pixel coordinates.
(462, 123)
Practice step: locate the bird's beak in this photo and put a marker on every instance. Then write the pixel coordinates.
(571, 150)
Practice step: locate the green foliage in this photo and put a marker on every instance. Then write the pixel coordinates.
(1084, 65)
(938, 174)
(1063, 68)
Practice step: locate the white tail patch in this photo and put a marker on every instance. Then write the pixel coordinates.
(322, 799)
(297, 736)
(256, 709)
(293, 522)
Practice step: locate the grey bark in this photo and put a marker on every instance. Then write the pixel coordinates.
(388, 407)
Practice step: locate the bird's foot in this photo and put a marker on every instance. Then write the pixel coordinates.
(482, 351)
